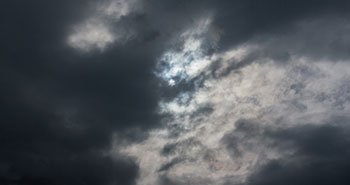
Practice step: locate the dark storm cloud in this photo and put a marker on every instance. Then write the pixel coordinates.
(60, 108)
(320, 38)
(310, 27)
(321, 156)
(314, 153)
(241, 20)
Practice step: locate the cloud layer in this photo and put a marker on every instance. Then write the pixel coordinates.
(174, 92)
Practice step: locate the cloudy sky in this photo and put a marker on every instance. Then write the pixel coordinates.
(175, 92)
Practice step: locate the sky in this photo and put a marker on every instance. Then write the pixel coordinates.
(175, 92)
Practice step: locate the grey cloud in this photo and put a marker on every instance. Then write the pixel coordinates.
(61, 109)
(184, 181)
(317, 39)
(312, 153)
(173, 162)
(320, 38)
(241, 20)
(320, 156)
(181, 147)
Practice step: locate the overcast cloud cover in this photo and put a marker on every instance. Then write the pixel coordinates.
(175, 92)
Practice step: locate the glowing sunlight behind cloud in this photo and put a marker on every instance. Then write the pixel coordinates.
(191, 147)
(175, 92)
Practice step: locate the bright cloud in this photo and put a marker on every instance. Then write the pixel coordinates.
(91, 35)
(96, 33)
(189, 148)
(184, 64)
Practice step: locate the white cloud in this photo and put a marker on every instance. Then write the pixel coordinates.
(99, 31)
(276, 95)
(91, 35)
(116, 9)
(187, 63)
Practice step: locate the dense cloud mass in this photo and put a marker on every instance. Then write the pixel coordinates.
(319, 155)
(174, 92)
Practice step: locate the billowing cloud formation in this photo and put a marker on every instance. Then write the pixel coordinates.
(275, 87)
(195, 142)
(174, 92)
